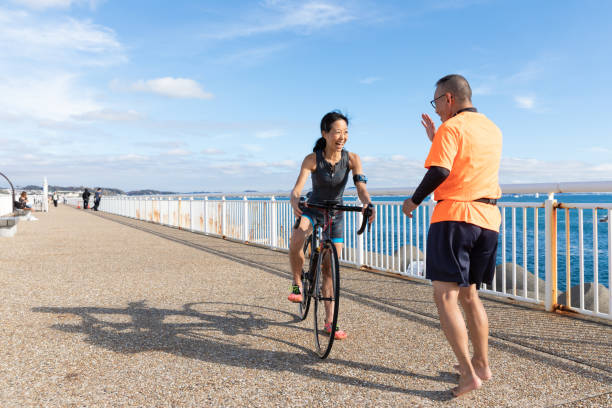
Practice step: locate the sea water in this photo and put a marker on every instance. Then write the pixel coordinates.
(394, 218)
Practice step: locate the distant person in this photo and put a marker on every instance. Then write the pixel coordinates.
(55, 198)
(86, 195)
(329, 165)
(463, 166)
(23, 204)
(97, 198)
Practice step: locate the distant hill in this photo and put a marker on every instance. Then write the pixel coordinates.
(105, 190)
(149, 192)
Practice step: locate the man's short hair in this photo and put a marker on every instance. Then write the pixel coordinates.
(456, 85)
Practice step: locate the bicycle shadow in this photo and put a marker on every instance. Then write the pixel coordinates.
(209, 338)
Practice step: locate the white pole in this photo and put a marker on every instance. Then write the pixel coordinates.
(360, 239)
(550, 298)
(274, 222)
(245, 214)
(45, 203)
(223, 215)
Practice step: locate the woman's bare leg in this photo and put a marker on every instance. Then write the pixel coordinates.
(296, 249)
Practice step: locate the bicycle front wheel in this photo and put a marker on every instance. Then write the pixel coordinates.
(326, 296)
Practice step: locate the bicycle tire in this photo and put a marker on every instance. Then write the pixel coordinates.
(323, 339)
(304, 305)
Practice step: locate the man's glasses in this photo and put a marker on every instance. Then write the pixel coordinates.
(433, 101)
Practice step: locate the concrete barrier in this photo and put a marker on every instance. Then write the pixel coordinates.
(531, 279)
(8, 226)
(589, 297)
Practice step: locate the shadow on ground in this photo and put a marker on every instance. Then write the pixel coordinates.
(543, 346)
(222, 334)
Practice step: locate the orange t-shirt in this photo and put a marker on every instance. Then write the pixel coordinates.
(469, 145)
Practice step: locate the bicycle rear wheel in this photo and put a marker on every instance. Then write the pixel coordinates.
(304, 305)
(326, 296)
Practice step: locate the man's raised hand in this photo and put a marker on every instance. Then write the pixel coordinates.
(429, 125)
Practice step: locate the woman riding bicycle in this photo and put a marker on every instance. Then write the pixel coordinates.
(329, 166)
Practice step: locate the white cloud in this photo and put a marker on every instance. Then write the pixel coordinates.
(40, 55)
(596, 149)
(369, 80)
(46, 4)
(51, 97)
(482, 90)
(241, 168)
(605, 167)
(27, 37)
(252, 148)
(212, 151)
(178, 152)
(131, 157)
(109, 115)
(43, 4)
(298, 16)
(183, 88)
(519, 170)
(509, 84)
(525, 102)
(269, 134)
(286, 163)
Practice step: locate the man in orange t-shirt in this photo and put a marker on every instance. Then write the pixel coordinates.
(463, 166)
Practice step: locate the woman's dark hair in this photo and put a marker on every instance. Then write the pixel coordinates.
(326, 124)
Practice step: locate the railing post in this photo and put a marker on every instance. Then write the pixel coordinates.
(169, 212)
(205, 214)
(273, 222)
(178, 213)
(190, 213)
(245, 213)
(360, 239)
(550, 215)
(223, 215)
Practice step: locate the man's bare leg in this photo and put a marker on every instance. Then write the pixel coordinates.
(446, 297)
(478, 325)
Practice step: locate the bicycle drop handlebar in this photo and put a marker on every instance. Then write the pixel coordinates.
(334, 206)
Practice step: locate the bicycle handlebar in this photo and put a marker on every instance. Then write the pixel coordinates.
(333, 205)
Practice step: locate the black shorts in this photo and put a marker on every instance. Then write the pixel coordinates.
(316, 217)
(461, 252)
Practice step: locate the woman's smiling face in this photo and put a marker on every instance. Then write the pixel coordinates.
(337, 136)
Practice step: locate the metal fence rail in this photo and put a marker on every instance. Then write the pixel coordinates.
(535, 239)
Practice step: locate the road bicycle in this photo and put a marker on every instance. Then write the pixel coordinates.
(321, 253)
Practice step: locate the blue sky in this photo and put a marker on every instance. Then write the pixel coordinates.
(228, 95)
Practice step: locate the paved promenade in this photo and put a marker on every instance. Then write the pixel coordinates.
(104, 311)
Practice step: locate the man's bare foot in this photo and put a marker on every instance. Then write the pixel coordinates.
(483, 372)
(467, 383)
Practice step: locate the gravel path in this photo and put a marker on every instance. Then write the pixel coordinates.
(107, 311)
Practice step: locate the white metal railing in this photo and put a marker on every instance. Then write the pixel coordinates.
(528, 251)
(38, 201)
(6, 204)
(35, 200)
